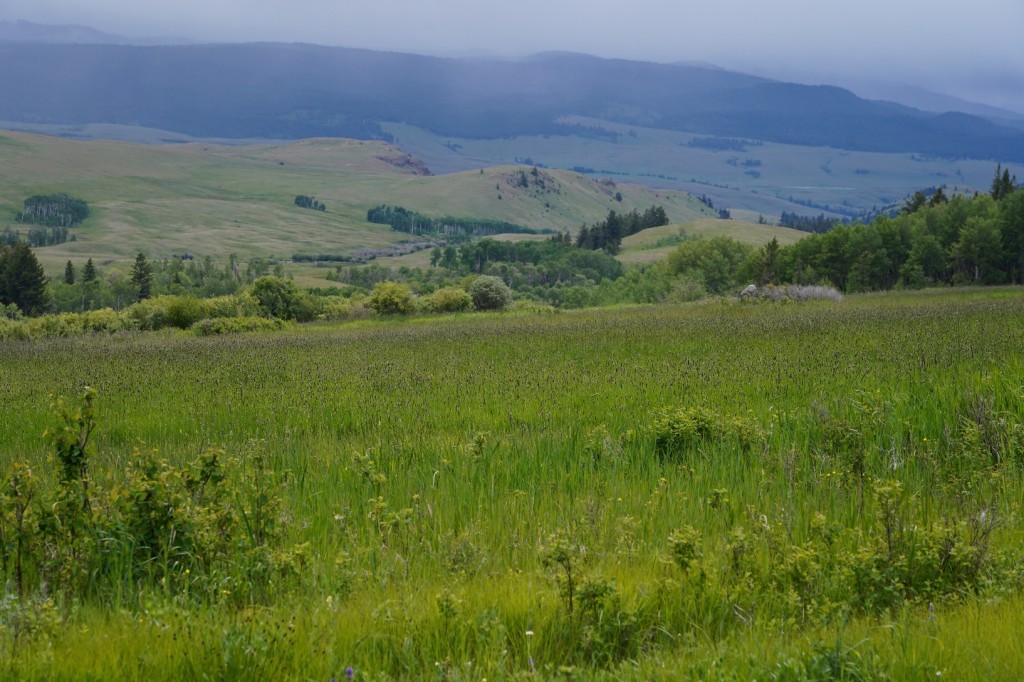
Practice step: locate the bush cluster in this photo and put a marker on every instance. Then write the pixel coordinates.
(683, 430)
(211, 529)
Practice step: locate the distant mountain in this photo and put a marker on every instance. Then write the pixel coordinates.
(29, 32)
(929, 100)
(294, 91)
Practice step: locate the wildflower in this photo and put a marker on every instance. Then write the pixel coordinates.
(529, 633)
(349, 672)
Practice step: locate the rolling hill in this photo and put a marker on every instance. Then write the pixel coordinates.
(216, 200)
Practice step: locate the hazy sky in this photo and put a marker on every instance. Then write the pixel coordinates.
(973, 49)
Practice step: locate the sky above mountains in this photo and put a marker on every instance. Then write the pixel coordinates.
(969, 50)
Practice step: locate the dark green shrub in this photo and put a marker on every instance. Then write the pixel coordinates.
(280, 298)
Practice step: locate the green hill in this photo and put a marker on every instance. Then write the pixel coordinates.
(215, 200)
(656, 243)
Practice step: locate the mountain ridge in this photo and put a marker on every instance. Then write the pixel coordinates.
(294, 90)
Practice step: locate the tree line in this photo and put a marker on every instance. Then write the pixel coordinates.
(312, 203)
(950, 241)
(36, 236)
(53, 210)
(936, 240)
(819, 223)
(404, 220)
(608, 234)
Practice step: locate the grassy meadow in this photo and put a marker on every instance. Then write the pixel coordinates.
(708, 491)
(210, 200)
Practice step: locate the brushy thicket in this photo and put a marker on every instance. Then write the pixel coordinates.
(209, 530)
(235, 312)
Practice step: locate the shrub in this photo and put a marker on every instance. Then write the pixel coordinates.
(282, 299)
(794, 292)
(210, 527)
(391, 298)
(688, 428)
(490, 293)
(232, 325)
(450, 300)
(336, 308)
(237, 305)
(183, 311)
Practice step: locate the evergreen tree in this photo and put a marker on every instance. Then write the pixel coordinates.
(915, 202)
(583, 238)
(1003, 183)
(22, 280)
(69, 273)
(89, 272)
(938, 198)
(142, 276)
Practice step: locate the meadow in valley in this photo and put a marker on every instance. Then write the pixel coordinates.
(717, 490)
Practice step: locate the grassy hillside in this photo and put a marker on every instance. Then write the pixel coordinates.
(761, 178)
(215, 200)
(657, 242)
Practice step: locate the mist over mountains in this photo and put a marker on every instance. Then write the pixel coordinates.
(292, 91)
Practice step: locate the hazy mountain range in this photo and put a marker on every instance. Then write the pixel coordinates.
(31, 32)
(293, 91)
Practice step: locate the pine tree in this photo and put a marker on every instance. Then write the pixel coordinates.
(1003, 183)
(22, 280)
(69, 273)
(89, 272)
(142, 276)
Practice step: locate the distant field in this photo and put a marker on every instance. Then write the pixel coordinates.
(214, 200)
(760, 179)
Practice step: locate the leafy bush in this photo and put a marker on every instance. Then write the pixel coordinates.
(689, 428)
(450, 300)
(490, 293)
(282, 299)
(210, 527)
(391, 298)
(337, 308)
(234, 325)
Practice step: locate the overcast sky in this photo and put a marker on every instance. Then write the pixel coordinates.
(972, 49)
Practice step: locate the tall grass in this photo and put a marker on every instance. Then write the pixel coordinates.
(823, 491)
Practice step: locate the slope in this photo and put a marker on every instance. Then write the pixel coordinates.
(216, 200)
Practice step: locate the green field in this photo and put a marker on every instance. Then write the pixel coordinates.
(728, 491)
(205, 199)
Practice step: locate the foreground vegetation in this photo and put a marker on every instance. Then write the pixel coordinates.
(724, 491)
